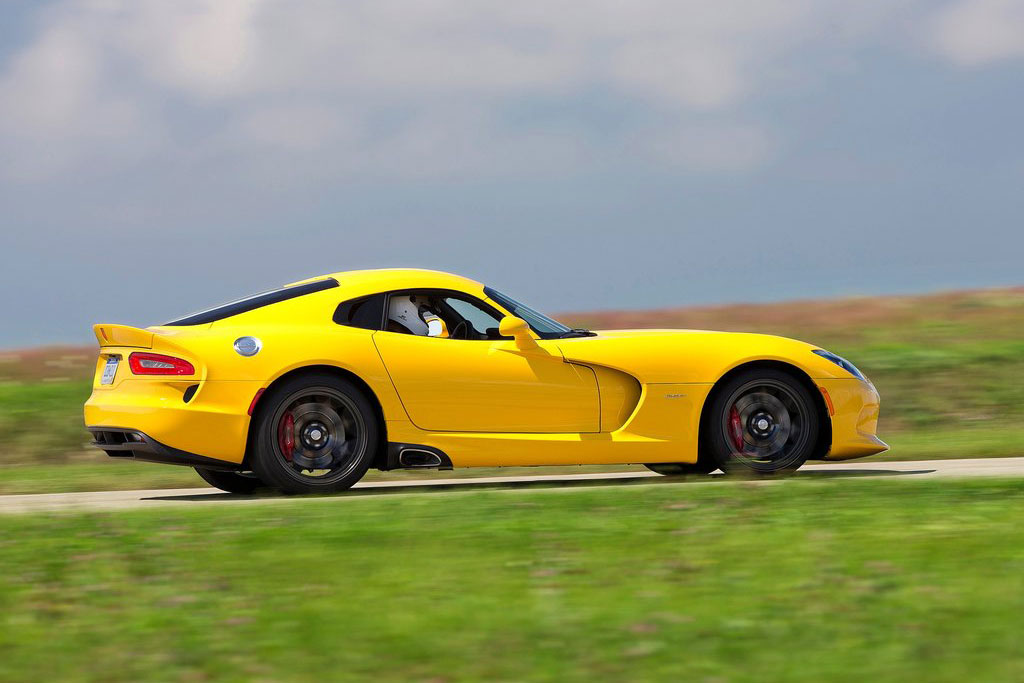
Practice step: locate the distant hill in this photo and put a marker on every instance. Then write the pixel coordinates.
(995, 313)
(999, 311)
(48, 363)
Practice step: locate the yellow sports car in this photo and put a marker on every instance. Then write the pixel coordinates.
(306, 387)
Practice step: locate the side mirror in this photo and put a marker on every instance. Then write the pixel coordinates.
(511, 326)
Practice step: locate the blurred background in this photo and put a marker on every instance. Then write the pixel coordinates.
(590, 158)
(157, 157)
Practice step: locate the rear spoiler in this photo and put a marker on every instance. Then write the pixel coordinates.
(122, 335)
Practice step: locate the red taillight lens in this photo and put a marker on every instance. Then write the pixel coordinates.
(159, 364)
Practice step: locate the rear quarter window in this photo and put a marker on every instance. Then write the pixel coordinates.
(365, 312)
(253, 302)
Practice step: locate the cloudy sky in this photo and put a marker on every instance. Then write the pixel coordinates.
(159, 156)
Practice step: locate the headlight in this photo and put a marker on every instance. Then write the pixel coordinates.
(842, 362)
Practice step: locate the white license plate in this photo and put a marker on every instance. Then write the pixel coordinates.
(109, 370)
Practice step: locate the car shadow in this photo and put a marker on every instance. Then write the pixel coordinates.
(829, 474)
(470, 485)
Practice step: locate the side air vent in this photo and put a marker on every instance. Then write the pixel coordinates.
(414, 457)
(189, 393)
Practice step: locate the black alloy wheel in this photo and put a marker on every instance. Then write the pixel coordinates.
(316, 433)
(762, 421)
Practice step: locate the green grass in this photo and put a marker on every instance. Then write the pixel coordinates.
(851, 580)
(971, 441)
(41, 421)
(928, 385)
(96, 473)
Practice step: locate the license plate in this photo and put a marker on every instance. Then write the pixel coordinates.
(109, 370)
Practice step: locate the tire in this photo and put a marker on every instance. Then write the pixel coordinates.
(762, 421)
(232, 482)
(677, 469)
(315, 433)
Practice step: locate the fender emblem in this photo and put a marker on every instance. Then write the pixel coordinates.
(675, 395)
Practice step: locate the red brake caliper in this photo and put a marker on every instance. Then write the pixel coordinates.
(736, 427)
(286, 435)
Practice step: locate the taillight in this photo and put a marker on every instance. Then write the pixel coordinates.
(159, 364)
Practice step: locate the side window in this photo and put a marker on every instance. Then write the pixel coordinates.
(444, 314)
(476, 322)
(366, 312)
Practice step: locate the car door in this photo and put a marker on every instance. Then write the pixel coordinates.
(485, 384)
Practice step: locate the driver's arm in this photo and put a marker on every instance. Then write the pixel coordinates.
(435, 326)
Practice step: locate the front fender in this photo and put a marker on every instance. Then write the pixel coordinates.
(692, 357)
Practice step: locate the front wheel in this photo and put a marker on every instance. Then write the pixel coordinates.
(232, 482)
(316, 433)
(762, 421)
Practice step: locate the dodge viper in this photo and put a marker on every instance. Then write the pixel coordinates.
(306, 387)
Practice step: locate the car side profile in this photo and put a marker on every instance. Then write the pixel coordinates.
(306, 387)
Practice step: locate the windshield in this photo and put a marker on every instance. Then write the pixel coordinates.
(543, 326)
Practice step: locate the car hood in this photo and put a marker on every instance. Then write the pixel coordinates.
(689, 356)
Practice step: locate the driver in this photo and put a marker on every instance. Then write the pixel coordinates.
(413, 315)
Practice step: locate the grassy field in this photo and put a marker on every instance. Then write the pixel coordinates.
(950, 368)
(884, 580)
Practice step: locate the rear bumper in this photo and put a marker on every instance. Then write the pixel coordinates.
(854, 420)
(213, 423)
(119, 442)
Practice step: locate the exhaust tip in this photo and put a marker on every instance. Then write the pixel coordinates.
(415, 457)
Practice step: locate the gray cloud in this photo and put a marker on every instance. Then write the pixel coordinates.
(978, 32)
(387, 84)
(582, 154)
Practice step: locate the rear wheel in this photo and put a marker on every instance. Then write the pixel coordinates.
(316, 433)
(762, 421)
(232, 482)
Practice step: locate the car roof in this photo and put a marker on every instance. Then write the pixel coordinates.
(383, 279)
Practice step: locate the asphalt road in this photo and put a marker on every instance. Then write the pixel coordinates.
(157, 498)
